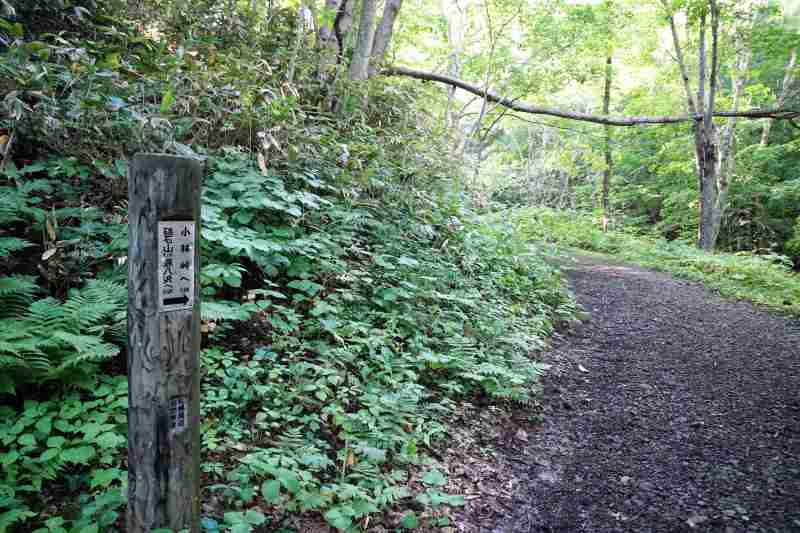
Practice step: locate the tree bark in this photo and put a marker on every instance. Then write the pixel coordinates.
(331, 37)
(383, 35)
(705, 149)
(327, 42)
(788, 81)
(456, 23)
(300, 32)
(359, 65)
(727, 156)
(344, 23)
(607, 144)
(690, 104)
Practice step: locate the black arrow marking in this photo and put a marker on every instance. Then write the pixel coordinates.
(176, 301)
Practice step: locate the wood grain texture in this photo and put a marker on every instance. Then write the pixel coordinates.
(163, 353)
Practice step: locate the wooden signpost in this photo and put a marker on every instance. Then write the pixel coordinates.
(164, 343)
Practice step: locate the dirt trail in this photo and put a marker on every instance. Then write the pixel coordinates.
(671, 409)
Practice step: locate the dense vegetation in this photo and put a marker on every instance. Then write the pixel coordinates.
(766, 279)
(370, 257)
(351, 297)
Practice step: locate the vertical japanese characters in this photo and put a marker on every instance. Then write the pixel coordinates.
(176, 265)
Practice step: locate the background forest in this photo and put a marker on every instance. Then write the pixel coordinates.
(374, 260)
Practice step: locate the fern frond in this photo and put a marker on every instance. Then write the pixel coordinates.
(46, 316)
(96, 303)
(8, 245)
(16, 293)
(87, 348)
(49, 337)
(17, 285)
(19, 349)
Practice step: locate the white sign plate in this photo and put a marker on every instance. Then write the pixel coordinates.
(176, 265)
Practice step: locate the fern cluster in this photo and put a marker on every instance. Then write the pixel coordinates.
(18, 204)
(46, 338)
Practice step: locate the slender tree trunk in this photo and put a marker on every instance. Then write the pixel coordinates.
(298, 40)
(706, 138)
(359, 65)
(344, 23)
(788, 81)
(331, 43)
(607, 144)
(715, 153)
(705, 149)
(706, 145)
(383, 35)
(327, 42)
(727, 154)
(455, 16)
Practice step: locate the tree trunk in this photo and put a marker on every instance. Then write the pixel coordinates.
(715, 150)
(456, 23)
(383, 35)
(788, 81)
(712, 185)
(706, 146)
(360, 63)
(331, 37)
(607, 144)
(327, 42)
(300, 33)
(344, 23)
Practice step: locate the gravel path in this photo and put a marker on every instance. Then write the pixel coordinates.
(671, 409)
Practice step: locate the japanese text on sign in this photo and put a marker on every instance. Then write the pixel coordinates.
(176, 265)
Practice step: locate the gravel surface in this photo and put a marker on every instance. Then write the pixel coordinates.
(671, 409)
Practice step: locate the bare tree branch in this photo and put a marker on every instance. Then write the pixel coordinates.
(712, 82)
(692, 108)
(778, 114)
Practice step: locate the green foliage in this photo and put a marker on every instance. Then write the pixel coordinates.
(763, 279)
(390, 324)
(75, 437)
(49, 339)
(352, 298)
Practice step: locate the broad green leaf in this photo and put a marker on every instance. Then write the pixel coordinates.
(104, 477)
(289, 480)
(254, 517)
(337, 518)
(44, 425)
(271, 490)
(78, 455)
(49, 454)
(56, 442)
(27, 440)
(434, 477)
(9, 458)
(410, 520)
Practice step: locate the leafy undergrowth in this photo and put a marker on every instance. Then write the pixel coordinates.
(344, 330)
(766, 280)
(351, 299)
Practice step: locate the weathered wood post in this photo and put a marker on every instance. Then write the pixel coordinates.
(164, 343)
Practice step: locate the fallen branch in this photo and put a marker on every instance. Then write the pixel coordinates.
(777, 114)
